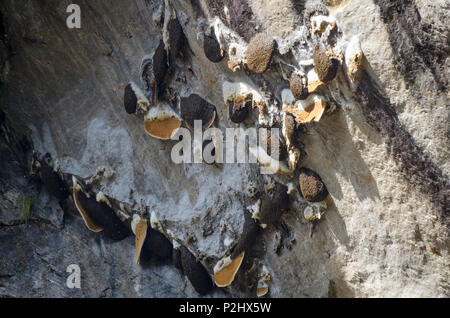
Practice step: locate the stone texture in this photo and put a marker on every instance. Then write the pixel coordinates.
(385, 233)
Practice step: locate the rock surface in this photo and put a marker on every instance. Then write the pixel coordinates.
(383, 154)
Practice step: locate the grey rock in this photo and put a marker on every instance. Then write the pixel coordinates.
(64, 89)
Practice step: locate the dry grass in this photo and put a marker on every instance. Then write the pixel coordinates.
(25, 203)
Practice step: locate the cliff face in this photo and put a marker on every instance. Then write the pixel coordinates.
(383, 153)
